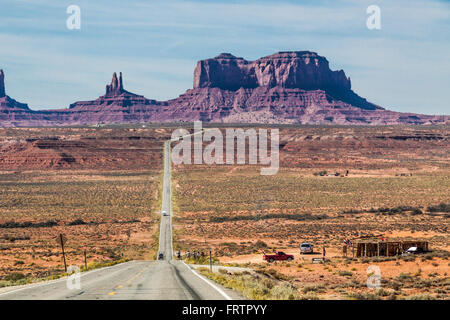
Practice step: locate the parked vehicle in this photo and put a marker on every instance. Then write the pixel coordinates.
(279, 256)
(306, 247)
(413, 250)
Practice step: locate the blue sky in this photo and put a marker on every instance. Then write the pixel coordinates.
(405, 66)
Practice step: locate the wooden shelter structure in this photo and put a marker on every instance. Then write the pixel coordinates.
(386, 248)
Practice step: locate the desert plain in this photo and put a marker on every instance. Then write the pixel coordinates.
(101, 188)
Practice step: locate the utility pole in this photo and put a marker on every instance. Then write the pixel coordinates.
(61, 240)
(85, 261)
(210, 260)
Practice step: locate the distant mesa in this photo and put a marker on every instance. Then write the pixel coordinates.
(296, 87)
(291, 70)
(302, 69)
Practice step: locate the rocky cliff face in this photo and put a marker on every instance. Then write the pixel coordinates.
(281, 105)
(116, 86)
(286, 87)
(303, 70)
(2, 84)
(293, 70)
(12, 113)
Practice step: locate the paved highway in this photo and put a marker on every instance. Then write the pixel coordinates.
(167, 279)
(165, 229)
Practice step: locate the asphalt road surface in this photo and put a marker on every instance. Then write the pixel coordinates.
(165, 229)
(167, 279)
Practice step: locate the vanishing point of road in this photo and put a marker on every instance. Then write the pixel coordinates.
(167, 279)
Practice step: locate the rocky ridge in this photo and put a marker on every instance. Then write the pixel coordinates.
(286, 87)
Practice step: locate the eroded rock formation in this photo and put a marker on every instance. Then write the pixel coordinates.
(286, 87)
(2, 84)
(293, 70)
(13, 113)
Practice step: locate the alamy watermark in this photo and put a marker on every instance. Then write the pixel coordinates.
(73, 281)
(74, 20)
(374, 19)
(235, 139)
(374, 277)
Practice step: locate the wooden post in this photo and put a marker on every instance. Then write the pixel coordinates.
(85, 260)
(378, 248)
(353, 250)
(62, 247)
(387, 249)
(210, 260)
(365, 249)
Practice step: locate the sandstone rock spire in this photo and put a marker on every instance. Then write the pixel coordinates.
(116, 86)
(2, 84)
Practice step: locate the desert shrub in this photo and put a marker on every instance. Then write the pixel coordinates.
(223, 271)
(317, 288)
(254, 286)
(27, 224)
(386, 210)
(396, 285)
(77, 222)
(260, 244)
(443, 207)
(284, 291)
(275, 274)
(14, 276)
(296, 217)
(345, 273)
(382, 292)
(363, 296)
(14, 238)
(408, 258)
(201, 260)
(421, 297)
(405, 277)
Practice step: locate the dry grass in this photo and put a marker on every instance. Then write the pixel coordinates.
(397, 186)
(109, 214)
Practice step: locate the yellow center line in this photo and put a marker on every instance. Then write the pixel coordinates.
(129, 280)
(137, 275)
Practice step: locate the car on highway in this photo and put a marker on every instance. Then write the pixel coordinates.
(279, 256)
(306, 247)
(164, 213)
(161, 256)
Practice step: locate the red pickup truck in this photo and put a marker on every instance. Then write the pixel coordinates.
(278, 256)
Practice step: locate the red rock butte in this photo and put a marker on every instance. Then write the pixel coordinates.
(2, 84)
(287, 87)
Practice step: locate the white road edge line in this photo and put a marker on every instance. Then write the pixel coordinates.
(49, 282)
(227, 297)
